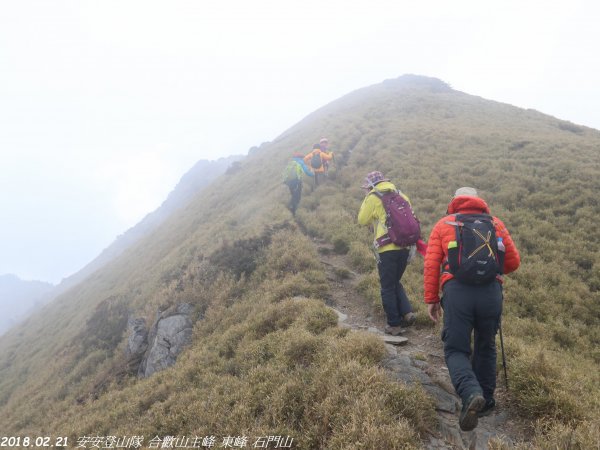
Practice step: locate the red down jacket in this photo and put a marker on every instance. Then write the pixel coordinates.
(443, 233)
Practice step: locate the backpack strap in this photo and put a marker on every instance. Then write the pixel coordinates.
(454, 223)
(453, 259)
(377, 192)
(384, 239)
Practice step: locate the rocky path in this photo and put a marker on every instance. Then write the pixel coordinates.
(419, 359)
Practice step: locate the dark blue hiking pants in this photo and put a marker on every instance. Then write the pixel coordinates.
(296, 192)
(391, 267)
(466, 309)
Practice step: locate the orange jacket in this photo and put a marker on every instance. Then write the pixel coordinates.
(443, 233)
(325, 156)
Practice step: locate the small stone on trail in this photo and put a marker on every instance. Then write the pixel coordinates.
(395, 340)
(391, 349)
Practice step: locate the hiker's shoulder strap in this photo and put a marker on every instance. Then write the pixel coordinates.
(460, 219)
(456, 222)
(380, 194)
(376, 192)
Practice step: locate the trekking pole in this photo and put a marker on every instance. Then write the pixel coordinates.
(503, 357)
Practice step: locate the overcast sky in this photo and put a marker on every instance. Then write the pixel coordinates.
(105, 104)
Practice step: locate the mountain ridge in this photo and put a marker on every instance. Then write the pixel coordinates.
(17, 297)
(253, 331)
(201, 174)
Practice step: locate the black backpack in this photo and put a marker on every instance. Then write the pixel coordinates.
(474, 258)
(315, 160)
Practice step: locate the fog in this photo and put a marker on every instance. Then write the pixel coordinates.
(104, 105)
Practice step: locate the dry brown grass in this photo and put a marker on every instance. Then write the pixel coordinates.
(267, 357)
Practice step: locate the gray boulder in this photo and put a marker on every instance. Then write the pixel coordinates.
(137, 342)
(404, 368)
(171, 332)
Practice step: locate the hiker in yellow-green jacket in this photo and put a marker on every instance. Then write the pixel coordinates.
(391, 258)
(292, 177)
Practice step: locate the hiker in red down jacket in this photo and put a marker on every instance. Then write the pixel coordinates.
(467, 307)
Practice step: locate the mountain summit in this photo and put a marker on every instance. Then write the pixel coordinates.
(245, 287)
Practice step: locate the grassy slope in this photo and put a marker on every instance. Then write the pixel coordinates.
(260, 361)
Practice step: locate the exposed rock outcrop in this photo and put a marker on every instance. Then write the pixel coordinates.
(158, 348)
(137, 342)
(171, 332)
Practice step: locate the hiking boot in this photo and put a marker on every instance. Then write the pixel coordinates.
(394, 331)
(490, 404)
(408, 320)
(470, 410)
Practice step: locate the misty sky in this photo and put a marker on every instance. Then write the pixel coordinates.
(105, 104)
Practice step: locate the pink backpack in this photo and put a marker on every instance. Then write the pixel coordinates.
(402, 224)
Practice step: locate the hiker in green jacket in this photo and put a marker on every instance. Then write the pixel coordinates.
(292, 177)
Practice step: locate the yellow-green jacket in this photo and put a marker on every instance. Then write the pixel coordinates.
(372, 213)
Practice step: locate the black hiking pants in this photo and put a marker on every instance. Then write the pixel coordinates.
(317, 177)
(296, 192)
(470, 309)
(391, 267)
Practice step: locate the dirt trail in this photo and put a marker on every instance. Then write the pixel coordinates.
(420, 360)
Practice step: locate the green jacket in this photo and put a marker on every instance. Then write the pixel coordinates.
(293, 171)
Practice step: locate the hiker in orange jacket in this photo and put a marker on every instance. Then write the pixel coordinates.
(467, 306)
(317, 160)
(324, 146)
